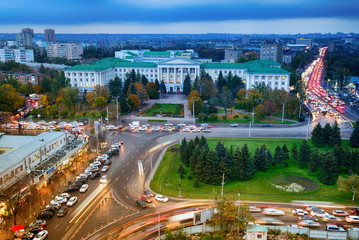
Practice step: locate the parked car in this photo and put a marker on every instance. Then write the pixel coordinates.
(148, 193)
(38, 222)
(161, 198)
(314, 208)
(254, 209)
(206, 130)
(71, 201)
(45, 215)
(41, 235)
(307, 217)
(105, 168)
(141, 204)
(329, 218)
(340, 213)
(72, 189)
(234, 125)
(103, 179)
(54, 204)
(107, 162)
(36, 228)
(60, 200)
(308, 223)
(319, 214)
(146, 198)
(62, 211)
(299, 212)
(354, 211)
(64, 195)
(266, 125)
(273, 212)
(269, 221)
(334, 228)
(84, 188)
(95, 175)
(352, 219)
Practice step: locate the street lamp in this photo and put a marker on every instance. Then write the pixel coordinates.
(283, 111)
(193, 101)
(158, 217)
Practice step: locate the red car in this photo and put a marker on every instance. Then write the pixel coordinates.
(146, 198)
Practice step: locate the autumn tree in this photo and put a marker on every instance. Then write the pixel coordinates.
(152, 90)
(133, 101)
(10, 100)
(198, 103)
(349, 184)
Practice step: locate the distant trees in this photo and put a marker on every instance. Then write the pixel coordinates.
(354, 137)
(327, 136)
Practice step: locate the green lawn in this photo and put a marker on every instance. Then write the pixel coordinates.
(169, 110)
(259, 188)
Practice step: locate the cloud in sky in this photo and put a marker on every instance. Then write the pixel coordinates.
(146, 13)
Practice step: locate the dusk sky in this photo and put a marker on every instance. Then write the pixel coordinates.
(181, 16)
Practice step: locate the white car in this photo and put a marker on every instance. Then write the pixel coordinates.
(299, 212)
(104, 168)
(352, 219)
(328, 218)
(161, 198)
(103, 179)
(64, 195)
(71, 201)
(254, 209)
(61, 200)
(234, 125)
(84, 188)
(319, 214)
(308, 223)
(54, 204)
(273, 212)
(186, 129)
(41, 235)
(197, 130)
(340, 213)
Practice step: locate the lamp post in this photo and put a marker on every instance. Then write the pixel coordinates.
(283, 111)
(193, 101)
(222, 185)
(158, 217)
(308, 127)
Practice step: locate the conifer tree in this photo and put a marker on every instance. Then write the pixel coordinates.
(354, 137)
(285, 152)
(317, 135)
(269, 157)
(260, 159)
(336, 139)
(304, 153)
(328, 170)
(314, 160)
(327, 134)
(186, 89)
(221, 82)
(295, 152)
(248, 163)
(278, 155)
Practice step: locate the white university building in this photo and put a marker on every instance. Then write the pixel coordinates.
(173, 69)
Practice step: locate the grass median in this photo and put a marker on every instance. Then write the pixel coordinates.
(260, 188)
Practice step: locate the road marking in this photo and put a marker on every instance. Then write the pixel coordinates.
(127, 163)
(122, 171)
(128, 178)
(127, 197)
(124, 187)
(116, 179)
(56, 226)
(132, 170)
(67, 227)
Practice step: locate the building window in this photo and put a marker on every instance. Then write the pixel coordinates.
(80, 74)
(74, 74)
(256, 77)
(263, 77)
(92, 74)
(276, 77)
(283, 83)
(283, 77)
(165, 81)
(86, 74)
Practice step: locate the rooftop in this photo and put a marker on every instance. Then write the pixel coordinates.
(100, 65)
(157, 53)
(22, 146)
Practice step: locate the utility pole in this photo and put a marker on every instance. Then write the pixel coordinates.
(193, 101)
(283, 111)
(222, 185)
(308, 127)
(107, 114)
(249, 133)
(117, 109)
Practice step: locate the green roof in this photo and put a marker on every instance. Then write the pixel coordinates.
(100, 65)
(136, 64)
(129, 57)
(151, 53)
(132, 54)
(256, 66)
(178, 53)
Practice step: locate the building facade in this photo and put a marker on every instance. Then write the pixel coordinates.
(18, 55)
(173, 72)
(70, 51)
(271, 51)
(24, 39)
(49, 35)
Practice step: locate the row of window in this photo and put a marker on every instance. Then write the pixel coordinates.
(172, 81)
(178, 70)
(12, 174)
(275, 83)
(137, 70)
(93, 80)
(80, 74)
(269, 77)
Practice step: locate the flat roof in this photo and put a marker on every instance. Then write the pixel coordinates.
(22, 146)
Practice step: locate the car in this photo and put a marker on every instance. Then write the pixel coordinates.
(307, 217)
(115, 151)
(103, 179)
(308, 223)
(186, 129)
(38, 222)
(354, 211)
(319, 214)
(54, 204)
(268, 221)
(146, 198)
(234, 125)
(107, 162)
(105, 168)
(62, 211)
(141, 204)
(84, 188)
(94, 169)
(155, 129)
(352, 219)
(35, 228)
(197, 130)
(41, 235)
(334, 228)
(329, 218)
(95, 175)
(206, 130)
(340, 213)
(293, 226)
(72, 189)
(315, 208)
(64, 195)
(45, 215)
(71, 201)
(254, 209)
(161, 198)
(273, 212)
(181, 124)
(266, 125)
(60, 200)
(148, 193)
(299, 212)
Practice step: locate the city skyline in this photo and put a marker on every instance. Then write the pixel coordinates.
(203, 16)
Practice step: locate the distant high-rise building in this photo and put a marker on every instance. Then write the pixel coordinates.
(272, 51)
(305, 41)
(24, 39)
(232, 55)
(50, 35)
(66, 50)
(246, 39)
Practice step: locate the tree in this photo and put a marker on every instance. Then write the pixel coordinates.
(294, 152)
(198, 104)
(349, 184)
(328, 170)
(133, 101)
(278, 155)
(70, 97)
(115, 86)
(261, 159)
(126, 85)
(163, 88)
(186, 85)
(179, 234)
(152, 90)
(226, 98)
(205, 86)
(354, 137)
(10, 100)
(327, 134)
(317, 135)
(144, 80)
(285, 152)
(304, 153)
(248, 164)
(336, 139)
(221, 82)
(315, 159)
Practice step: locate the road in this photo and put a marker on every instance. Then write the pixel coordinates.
(102, 204)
